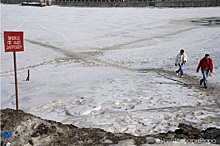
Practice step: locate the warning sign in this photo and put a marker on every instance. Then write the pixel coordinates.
(13, 41)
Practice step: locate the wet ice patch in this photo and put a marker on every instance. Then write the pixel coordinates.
(211, 21)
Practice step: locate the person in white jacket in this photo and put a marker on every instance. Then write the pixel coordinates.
(181, 59)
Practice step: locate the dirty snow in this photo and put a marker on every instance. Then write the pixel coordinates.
(84, 66)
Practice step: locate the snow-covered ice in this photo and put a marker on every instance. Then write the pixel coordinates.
(84, 66)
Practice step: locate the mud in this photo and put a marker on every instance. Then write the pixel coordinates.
(31, 130)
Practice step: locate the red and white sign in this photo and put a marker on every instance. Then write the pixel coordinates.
(13, 41)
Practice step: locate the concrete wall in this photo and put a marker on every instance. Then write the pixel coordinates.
(138, 3)
(44, 2)
(187, 3)
(12, 1)
(124, 3)
(104, 4)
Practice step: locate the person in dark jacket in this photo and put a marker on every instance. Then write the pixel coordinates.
(206, 66)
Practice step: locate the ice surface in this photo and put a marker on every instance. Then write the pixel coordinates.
(84, 66)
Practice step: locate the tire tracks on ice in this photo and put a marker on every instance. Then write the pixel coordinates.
(117, 47)
(55, 32)
(80, 56)
(187, 81)
(86, 55)
(190, 82)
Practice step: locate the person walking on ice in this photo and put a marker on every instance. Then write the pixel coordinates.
(181, 59)
(206, 66)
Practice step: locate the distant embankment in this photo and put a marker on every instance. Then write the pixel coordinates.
(139, 3)
(124, 3)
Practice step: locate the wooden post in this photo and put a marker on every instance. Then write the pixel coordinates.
(28, 76)
(16, 82)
